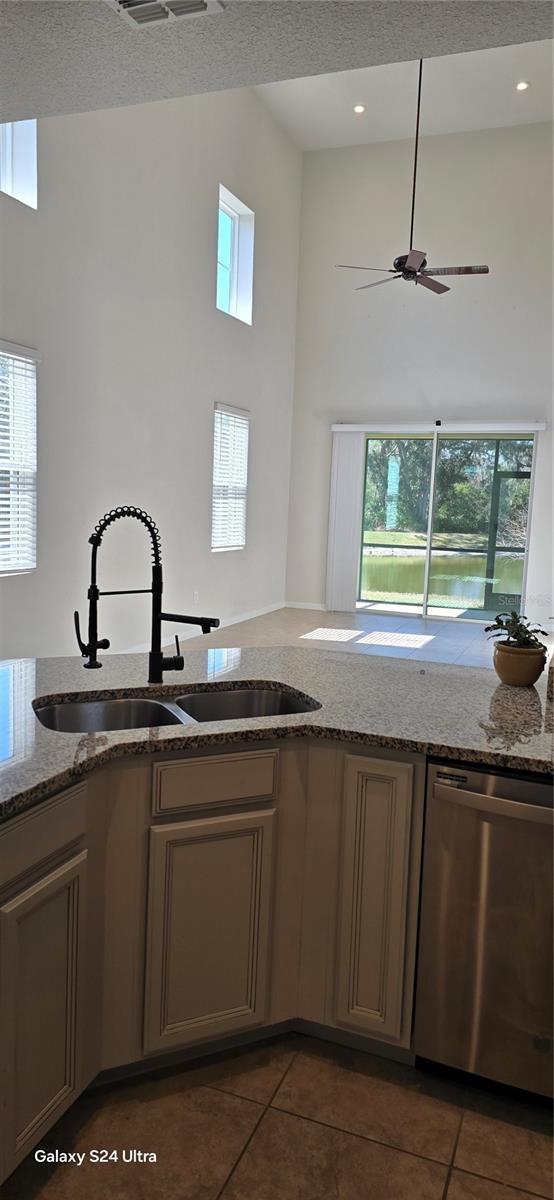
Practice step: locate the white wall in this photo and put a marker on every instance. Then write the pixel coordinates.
(481, 351)
(113, 280)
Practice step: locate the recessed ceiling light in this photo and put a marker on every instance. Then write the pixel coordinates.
(359, 108)
(522, 86)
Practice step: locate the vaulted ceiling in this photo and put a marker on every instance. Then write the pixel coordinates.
(64, 56)
(476, 90)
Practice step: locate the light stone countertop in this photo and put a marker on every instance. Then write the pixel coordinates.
(448, 711)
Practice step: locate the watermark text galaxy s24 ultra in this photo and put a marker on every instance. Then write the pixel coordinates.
(79, 1157)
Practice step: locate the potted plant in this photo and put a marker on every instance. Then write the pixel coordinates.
(519, 657)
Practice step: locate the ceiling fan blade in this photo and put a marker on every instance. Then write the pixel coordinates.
(414, 260)
(480, 270)
(351, 267)
(364, 286)
(432, 285)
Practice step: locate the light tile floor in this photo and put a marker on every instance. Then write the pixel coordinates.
(298, 1119)
(418, 638)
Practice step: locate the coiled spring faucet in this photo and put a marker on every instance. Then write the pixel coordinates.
(157, 661)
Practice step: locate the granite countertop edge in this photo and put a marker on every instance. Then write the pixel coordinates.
(29, 798)
(354, 693)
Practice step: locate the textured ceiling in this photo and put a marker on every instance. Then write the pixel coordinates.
(460, 91)
(64, 56)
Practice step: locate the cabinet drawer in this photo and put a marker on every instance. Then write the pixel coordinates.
(211, 782)
(41, 832)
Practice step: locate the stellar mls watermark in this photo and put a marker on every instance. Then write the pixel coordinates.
(79, 1157)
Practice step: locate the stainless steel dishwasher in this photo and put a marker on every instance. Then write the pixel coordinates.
(484, 974)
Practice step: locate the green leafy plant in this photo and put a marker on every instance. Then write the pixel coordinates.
(516, 630)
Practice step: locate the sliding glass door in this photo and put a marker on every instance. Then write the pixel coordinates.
(445, 524)
(395, 522)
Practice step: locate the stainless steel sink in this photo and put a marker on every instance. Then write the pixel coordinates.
(227, 704)
(234, 704)
(97, 716)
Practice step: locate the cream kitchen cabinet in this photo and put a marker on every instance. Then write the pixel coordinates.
(172, 904)
(361, 888)
(42, 973)
(208, 931)
(373, 895)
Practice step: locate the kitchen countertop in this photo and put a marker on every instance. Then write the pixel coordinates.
(444, 710)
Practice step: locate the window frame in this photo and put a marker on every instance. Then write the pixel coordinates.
(241, 284)
(347, 492)
(233, 268)
(18, 172)
(245, 415)
(28, 354)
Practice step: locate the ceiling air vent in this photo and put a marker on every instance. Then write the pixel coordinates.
(143, 13)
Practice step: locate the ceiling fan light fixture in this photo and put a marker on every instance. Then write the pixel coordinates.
(412, 267)
(522, 86)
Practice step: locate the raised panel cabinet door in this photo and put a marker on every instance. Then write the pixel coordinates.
(209, 903)
(374, 869)
(42, 933)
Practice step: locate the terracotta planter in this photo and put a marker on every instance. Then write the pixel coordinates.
(517, 665)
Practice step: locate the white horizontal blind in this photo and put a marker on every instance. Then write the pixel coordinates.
(230, 478)
(18, 459)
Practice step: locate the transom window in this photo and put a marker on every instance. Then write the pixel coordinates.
(18, 161)
(235, 257)
(227, 235)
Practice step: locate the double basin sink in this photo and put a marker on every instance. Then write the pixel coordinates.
(221, 704)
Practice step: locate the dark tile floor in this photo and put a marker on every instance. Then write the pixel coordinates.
(297, 1119)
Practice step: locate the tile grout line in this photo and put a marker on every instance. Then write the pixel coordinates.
(514, 1187)
(256, 1127)
(226, 1092)
(454, 1149)
(364, 1137)
(361, 1137)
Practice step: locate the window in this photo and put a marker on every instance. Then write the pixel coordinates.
(468, 560)
(18, 466)
(235, 257)
(18, 161)
(230, 477)
(17, 718)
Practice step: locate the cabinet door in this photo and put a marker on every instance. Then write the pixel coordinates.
(42, 932)
(208, 928)
(374, 868)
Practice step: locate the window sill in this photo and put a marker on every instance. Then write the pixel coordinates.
(17, 571)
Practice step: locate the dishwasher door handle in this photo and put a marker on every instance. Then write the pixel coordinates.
(494, 805)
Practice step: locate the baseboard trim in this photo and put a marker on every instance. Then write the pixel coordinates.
(190, 1054)
(301, 604)
(215, 1049)
(193, 631)
(355, 1041)
(249, 616)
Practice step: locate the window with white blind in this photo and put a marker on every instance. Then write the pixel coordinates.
(230, 478)
(18, 458)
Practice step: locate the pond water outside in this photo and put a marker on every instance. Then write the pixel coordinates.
(456, 580)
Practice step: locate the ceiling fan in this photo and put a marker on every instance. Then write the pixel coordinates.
(413, 266)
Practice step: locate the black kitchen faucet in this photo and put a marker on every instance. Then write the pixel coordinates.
(157, 662)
